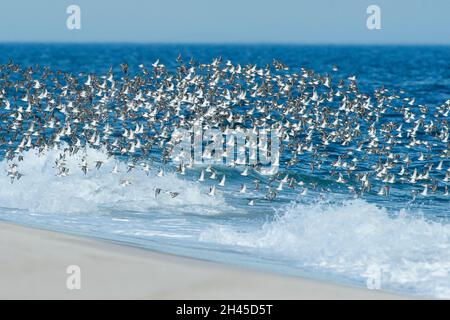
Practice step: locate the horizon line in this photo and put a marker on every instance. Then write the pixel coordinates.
(236, 43)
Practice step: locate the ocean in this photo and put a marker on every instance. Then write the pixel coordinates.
(399, 242)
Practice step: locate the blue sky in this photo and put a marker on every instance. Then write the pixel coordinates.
(230, 21)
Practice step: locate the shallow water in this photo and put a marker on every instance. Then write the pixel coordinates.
(326, 234)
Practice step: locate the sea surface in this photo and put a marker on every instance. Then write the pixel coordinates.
(399, 244)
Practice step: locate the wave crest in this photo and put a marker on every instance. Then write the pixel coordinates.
(350, 239)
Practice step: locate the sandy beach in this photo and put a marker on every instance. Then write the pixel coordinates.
(33, 265)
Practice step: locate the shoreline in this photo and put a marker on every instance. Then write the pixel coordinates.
(34, 262)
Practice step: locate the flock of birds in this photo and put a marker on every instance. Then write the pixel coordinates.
(331, 133)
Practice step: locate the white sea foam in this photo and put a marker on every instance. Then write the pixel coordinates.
(352, 239)
(39, 190)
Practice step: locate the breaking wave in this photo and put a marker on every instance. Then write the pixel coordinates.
(352, 240)
(40, 189)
